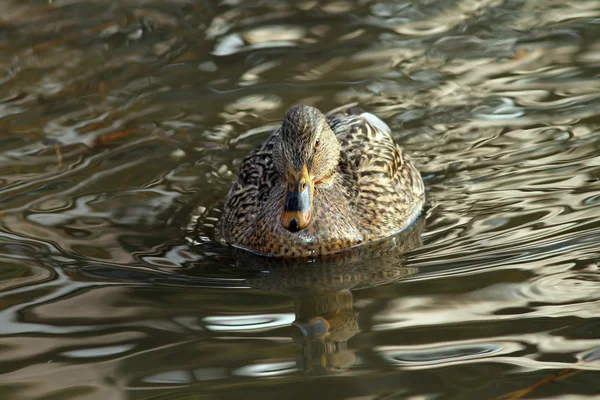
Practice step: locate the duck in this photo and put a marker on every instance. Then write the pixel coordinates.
(321, 184)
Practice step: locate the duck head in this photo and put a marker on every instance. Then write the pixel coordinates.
(306, 153)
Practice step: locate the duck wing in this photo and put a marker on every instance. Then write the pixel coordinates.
(256, 178)
(387, 181)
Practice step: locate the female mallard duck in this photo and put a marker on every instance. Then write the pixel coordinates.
(320, 184)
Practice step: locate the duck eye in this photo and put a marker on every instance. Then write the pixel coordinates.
(317, 143)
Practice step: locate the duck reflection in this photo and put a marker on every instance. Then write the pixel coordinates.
(322, 293)
(326, 323)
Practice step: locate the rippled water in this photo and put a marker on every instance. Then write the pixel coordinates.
(118, 119)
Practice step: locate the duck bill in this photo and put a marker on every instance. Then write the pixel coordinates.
(297, 209)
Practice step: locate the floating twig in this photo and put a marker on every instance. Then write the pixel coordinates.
(102, 140)
(67, 38)
(517, 394)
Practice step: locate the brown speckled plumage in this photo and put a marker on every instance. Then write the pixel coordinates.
(366, 187)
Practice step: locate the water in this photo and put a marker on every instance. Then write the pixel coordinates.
(120, 118)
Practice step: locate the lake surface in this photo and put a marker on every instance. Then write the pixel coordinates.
(119, 119)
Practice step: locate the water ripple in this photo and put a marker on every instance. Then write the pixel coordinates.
(119, 119)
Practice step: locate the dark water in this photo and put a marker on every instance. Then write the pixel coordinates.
(117, 119)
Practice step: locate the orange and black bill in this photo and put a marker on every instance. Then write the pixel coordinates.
(297, 209)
